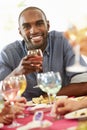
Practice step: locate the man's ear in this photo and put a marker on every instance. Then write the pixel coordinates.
(48, 25)
(19, 31)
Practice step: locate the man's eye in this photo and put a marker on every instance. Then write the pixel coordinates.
(26, 26)
(40, 23)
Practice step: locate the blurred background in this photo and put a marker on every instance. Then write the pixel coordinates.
(69, 16)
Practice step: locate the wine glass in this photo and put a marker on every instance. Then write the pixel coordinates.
(22, 84)
(76, 67)
(49, 82)
(21, 79)
(1, 98)
(9, 90)
(35, 53)
(40, 79)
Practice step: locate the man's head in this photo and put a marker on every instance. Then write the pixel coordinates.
(33, 27)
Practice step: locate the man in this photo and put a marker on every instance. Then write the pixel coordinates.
(57, 54)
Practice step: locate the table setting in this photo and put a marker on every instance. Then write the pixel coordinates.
(50, 122)
(37, 114)
(39, 120)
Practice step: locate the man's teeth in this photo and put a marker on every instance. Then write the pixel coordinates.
(36, 38)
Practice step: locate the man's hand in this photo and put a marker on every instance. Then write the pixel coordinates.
(28, 65)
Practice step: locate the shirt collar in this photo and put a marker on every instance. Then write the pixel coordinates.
(24, 46)
(45, 51)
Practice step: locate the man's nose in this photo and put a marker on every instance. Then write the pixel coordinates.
(33, 30)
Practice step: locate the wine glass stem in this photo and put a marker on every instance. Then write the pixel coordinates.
(49, 96)
(77, 53)
(54, 96)
(14, 123)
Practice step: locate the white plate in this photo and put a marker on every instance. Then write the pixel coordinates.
(36, 124)
(79, 114)
(61, 97)
(1, 125)
(30, 103)
(43, 107)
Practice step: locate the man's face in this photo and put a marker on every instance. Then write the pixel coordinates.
(33, 27)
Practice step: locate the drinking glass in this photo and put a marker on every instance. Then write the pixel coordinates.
(50, 83)
(1, 98)
(9, 90)
(22, 83)
(21, 79)
(35, 53)
(76, 67)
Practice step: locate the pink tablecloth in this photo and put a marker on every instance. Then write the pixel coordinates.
(62, 124)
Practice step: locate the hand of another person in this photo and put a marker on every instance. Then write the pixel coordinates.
(21, 100)
(7, 108)
(19, 106)
(6, 119)
(6, 116)
(64, 106)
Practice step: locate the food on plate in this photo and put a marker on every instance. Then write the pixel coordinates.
(78, 114)
(81, 113)
(42, 99)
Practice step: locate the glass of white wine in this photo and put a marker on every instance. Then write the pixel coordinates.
(1, 97)
(49, 82)
(21, 79)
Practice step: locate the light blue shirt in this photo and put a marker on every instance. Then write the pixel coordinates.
(56, 57)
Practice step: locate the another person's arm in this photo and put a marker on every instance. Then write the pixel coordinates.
(68, 105)
(74, 89)
(20, 105)
(6, 116)
(77, 87)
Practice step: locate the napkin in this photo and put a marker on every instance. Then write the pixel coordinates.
(35, 124)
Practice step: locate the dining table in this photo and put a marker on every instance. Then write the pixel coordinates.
(57, 124)
(70, 121)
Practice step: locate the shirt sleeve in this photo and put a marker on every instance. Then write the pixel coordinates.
(79, 78)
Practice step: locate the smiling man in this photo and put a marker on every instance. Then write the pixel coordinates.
(57, 55)
(34, 27)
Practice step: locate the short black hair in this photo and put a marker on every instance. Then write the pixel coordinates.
(31, 8)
